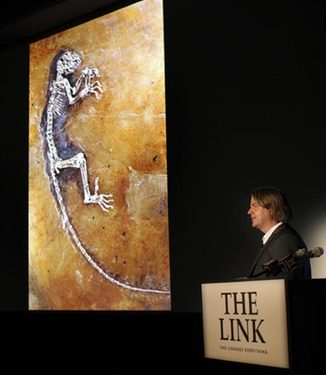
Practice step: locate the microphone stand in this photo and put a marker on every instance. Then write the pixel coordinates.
(274, 268)
(264, 272)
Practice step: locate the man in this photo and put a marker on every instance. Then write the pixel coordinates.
(270, 213)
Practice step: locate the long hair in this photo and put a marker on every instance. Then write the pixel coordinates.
(274, 200)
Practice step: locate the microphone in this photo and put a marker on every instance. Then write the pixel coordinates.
(290, 262)
(315, 252)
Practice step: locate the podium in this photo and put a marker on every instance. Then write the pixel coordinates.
(275, 323)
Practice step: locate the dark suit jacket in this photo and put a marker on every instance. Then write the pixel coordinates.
(283, 241)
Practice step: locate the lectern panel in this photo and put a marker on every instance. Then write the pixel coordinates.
(246, 321)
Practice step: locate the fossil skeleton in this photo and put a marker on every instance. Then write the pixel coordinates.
(62, 155)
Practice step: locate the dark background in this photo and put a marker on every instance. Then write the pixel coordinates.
(245, 108)
(245, 101)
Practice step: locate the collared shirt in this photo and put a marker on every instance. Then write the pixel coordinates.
(270, 231)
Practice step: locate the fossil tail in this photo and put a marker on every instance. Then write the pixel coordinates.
(70, 229)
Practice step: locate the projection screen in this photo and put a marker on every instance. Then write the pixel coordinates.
(98, 212)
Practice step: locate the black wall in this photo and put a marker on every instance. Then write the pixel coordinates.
(245, 85)
(245, 108)
(14, 178)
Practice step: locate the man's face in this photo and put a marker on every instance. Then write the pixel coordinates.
(260, 217)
